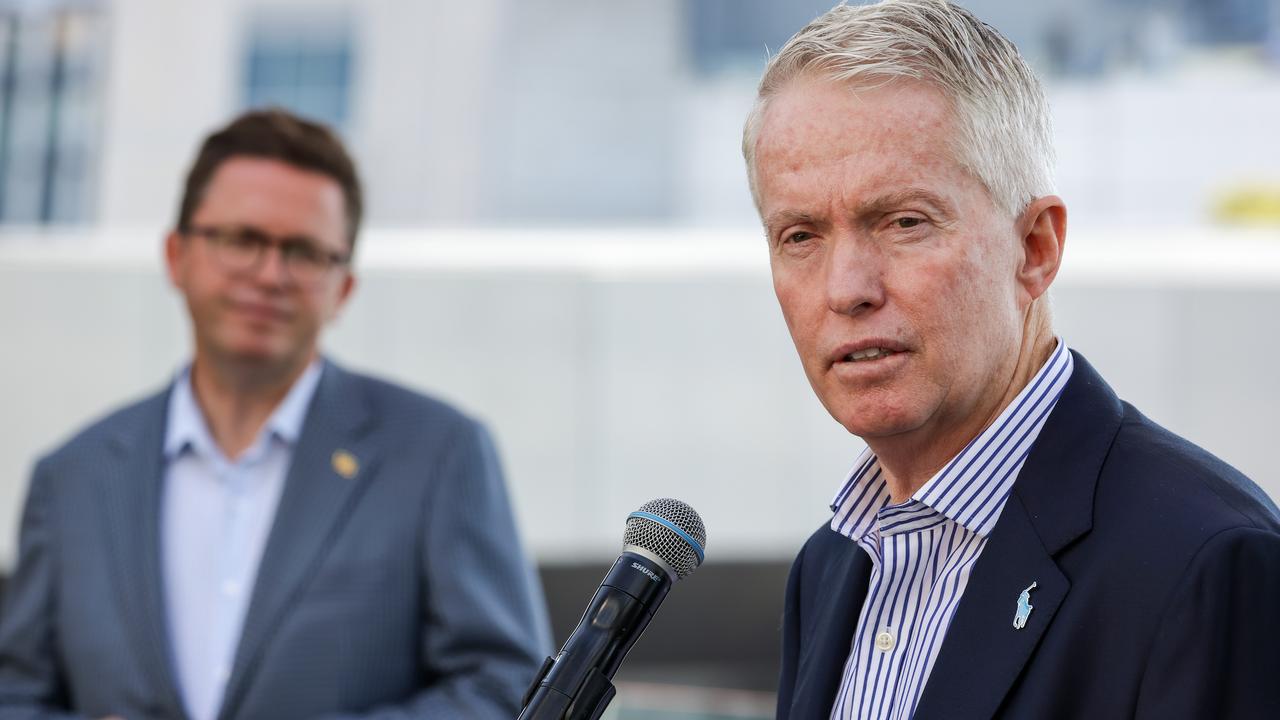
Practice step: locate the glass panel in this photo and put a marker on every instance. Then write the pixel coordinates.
(734, 35)
(49, 112)
(8, 70)
(306, 72)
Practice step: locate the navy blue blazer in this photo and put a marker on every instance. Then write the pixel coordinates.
(1158, 596)
(398, 592)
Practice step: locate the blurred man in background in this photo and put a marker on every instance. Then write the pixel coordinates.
(1015, 541)
(271, 536)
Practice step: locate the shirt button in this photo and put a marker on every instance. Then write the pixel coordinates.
(884, 641)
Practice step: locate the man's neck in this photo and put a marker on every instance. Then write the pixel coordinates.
(909, 462)
(237, 402)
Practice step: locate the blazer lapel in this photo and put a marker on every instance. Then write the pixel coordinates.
(130, 487)
(983, 652)
(1051, 505)
(330, 464)
(829, 624)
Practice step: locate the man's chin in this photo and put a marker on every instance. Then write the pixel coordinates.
(875, 423)
(260, 356)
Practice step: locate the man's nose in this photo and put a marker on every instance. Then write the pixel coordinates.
(854, 275)
(271, 268)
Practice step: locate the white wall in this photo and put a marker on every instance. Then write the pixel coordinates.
(1162, 151)
(170, 77)
(422, 96)
(619, 366)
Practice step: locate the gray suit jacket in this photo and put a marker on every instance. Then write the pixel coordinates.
(400, 592)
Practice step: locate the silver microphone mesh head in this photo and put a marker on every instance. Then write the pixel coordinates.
(653, 534)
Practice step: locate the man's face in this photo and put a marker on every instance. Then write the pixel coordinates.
(881, 242)
(261, 316)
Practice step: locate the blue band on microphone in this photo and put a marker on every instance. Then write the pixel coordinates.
(697, 548)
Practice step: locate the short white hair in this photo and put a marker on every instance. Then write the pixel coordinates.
(1003, 135)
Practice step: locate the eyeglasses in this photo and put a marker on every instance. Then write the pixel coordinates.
(241, 250)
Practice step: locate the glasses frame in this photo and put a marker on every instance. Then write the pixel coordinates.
(220, 238)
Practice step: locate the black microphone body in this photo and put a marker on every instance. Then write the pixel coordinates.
(664, 541)
(576, 683)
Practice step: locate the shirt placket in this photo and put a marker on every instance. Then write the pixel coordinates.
(874, 659)
(886, 638)
(887, 635)
(232, 583)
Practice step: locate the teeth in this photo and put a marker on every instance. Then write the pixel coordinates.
(868, 354)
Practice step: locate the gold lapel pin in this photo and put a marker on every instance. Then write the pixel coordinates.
(345, 464)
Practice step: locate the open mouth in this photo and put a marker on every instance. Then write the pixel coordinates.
(864, 355)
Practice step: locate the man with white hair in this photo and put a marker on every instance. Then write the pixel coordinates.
(1015, 541)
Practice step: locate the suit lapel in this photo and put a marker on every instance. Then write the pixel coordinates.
(130, 487)
(1051, 506)
(829, 625)
(330, 465)
(983, 652)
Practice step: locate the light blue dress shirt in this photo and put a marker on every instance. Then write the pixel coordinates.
(215, 517)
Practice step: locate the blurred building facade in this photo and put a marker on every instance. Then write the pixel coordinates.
(555, 112)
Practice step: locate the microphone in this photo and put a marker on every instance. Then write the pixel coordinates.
(663, 543)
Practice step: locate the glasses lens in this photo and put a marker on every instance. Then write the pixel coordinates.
(306, 263)
(242, 250)
(237, 249)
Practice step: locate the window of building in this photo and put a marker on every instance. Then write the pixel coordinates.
(50, 80)
(737, 35)
(305, 67)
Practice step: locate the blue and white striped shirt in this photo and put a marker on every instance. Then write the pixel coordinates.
(923, 550)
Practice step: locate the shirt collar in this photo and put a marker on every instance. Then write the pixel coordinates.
(186, 426)
(972, 488)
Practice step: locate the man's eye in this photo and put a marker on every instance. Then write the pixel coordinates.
(246, 240)
(301, 252)
(906, 223)
(796, 237)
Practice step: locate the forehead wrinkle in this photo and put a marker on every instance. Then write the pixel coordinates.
(779, 218)
(902, 117)
(897, 199)
(871, 159)
(798, 150)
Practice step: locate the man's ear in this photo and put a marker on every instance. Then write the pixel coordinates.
(1042, 231)
(174, 256)
(344, 294)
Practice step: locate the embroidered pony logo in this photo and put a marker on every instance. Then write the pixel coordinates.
(1024, 608)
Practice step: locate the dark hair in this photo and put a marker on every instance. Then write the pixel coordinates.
(276, 134)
